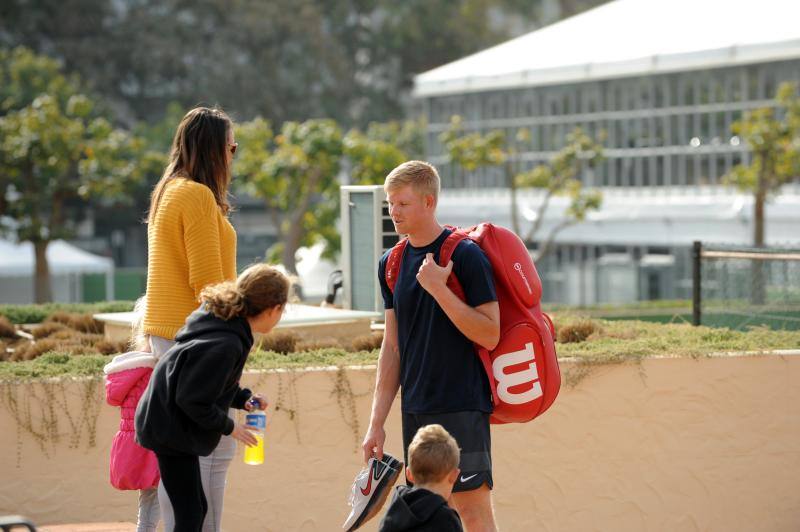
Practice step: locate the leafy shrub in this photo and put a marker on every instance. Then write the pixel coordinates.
(39, 313)
(53, 365)
(367, 342)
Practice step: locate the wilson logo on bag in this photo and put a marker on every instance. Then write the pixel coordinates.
(522, 369)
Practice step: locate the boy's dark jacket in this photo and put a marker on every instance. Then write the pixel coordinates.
(185, 407)
(419, 510)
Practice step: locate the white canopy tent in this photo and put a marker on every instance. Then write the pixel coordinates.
(67, 264)
(628, 38)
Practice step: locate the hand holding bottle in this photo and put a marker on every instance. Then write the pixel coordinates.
(256, 421)
(257, 401)
(245, 434)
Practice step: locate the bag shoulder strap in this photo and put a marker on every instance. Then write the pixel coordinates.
(393, 261)
(446, 254)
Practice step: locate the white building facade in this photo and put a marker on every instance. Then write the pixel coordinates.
(663, 81)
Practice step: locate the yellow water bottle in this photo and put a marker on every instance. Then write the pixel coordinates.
(257, 419)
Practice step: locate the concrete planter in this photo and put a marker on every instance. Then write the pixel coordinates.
(668, 444)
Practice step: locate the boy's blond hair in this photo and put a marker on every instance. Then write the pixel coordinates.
(432, 455)
(421, 176)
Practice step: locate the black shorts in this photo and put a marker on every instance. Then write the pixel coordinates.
(471, 431)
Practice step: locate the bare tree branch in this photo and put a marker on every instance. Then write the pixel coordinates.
(548, 244)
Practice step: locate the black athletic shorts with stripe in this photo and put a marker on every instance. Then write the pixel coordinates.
(471, 431)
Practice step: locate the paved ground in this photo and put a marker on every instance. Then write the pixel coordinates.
(89, 527)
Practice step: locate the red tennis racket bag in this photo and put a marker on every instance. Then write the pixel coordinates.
(523, 369)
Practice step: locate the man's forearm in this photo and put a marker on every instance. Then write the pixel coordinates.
(386, 385)
(473, 324)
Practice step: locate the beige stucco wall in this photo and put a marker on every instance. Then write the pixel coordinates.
(671, 444)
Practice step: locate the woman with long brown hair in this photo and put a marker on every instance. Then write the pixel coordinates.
(191, 245)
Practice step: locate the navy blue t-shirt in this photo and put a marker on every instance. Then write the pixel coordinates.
(439, 369)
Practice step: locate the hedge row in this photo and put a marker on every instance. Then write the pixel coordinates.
(39, 313)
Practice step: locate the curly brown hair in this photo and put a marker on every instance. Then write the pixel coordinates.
(258, 288)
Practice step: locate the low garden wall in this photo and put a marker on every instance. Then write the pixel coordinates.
(664, 444)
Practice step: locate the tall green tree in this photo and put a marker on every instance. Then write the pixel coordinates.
(773, 136)
(295, 173)
(371, 155)
(56, 152)
(282, 59)
(560, 176)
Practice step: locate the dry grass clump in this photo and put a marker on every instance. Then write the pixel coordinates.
(47, 345)
(80, 322)
(7, 329)
(109, 347)
(317, 344)
(56, 336)
(367, 342)
(48, 329)
(280, 341)
(8, 348)
(577, 331)
(71, 336)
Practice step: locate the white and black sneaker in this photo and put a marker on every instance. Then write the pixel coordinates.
(370, 489)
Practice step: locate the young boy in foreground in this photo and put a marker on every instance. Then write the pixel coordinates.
(433, 469)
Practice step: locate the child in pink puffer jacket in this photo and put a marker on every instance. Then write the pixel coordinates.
(132, 466)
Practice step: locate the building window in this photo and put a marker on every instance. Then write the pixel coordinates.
(629, 176)
(557, 134)
(724, 165)
(536, 137)
(657, 169)
(687, 90)
(646, 172)
(568, 101)
(691, 169)
(770, 85)
(646, 93)
(659, 88)
(615, 97)
(674, 130)
(553, 105)
(705, 127)
(599, 173)
(530, 105)
(705, 177)
(720, 128)
(705, 91)
(754, 91)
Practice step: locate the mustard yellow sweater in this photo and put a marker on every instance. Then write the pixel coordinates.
(190, 246)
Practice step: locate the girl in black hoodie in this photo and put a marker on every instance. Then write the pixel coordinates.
(184, 411)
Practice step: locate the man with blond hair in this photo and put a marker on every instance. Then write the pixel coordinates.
(428, 349)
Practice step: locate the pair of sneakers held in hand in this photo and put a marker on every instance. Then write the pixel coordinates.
(370, 489)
